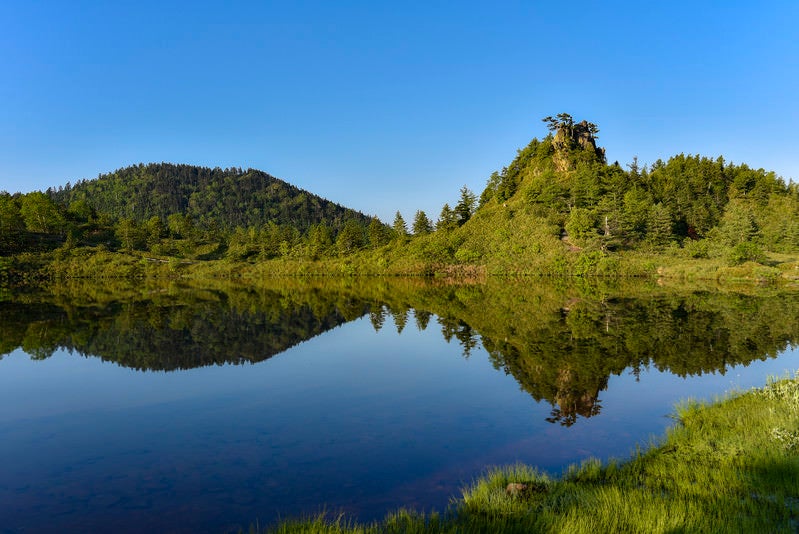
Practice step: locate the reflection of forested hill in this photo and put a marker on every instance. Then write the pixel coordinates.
(149, 335)
(561, 344)
(568, 359)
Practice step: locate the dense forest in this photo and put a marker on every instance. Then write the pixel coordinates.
(558, 208)
(177, 210)
(209, 198)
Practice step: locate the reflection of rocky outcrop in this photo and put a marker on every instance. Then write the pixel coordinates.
(571, 400)
(563, 348)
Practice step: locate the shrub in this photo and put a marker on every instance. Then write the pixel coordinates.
(743, 252)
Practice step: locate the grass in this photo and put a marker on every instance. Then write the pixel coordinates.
(727, 466)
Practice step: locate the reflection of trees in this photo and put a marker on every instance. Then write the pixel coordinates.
(565, 353)
(561, 344)
(186, 331)
(571, 400)
(422, 319)
(461, 331)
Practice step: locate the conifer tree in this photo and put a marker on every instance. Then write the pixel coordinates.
(421, 223)
(377, 233)
(350, 238)
(447, 219)
(400, 228)
(464, 209)
(659, 225)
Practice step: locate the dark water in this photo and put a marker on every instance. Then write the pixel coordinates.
(205, 410)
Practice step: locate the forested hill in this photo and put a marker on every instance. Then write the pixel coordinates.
(211, 198)
(560, 207)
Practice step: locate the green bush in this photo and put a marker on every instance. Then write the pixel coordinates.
(746, 251)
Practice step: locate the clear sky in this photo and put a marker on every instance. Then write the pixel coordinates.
(386, 106)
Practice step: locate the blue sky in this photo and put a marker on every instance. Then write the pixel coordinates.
(387, 106)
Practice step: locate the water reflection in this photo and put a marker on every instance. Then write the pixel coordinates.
(560, 344)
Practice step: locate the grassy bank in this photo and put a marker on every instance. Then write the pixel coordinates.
(728, 466)
(99, 263)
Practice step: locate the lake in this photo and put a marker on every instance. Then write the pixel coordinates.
(191, 408)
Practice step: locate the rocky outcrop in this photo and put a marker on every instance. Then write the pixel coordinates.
(570, 136)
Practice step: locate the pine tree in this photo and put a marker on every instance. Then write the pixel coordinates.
(464, 209)
(320, 239)
(377, 233)
(659, 225)
(400, 228)
(421, 223)
(350, 238)
(737, 224)
(447, 219)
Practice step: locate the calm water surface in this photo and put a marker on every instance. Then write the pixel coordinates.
(364, 405)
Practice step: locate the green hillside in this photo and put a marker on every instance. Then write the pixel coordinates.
(558, 208)
(211, 198)
(181, 211)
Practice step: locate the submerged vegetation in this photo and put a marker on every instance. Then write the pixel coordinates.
(558, 208)
(729, 466)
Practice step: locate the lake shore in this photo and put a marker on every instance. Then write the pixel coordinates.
(89, 263)
(727, 466)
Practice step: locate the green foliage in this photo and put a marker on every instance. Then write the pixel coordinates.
(320, 240)
(737, 224)
(11, 223)
(636, 213)
(557, 200)
(40, 213)
(10, 216)
(210, 198)
(725, 467)
(659, 226)
(378, 233)
(400, 227)
(745, 251)
(447, 220)
(351, 238)
(490, 191)
(421, 224)
(580, 225)
(130, 235)
(465, 207)
(696, 248)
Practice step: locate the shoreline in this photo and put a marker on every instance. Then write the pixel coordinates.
(731, 465)
(102, 264)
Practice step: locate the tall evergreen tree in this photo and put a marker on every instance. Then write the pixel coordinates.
(737, 224)
(464, 209)
(400, 228)
(320, 239)
(351, 238)
(447, 220)
(421, 223)
(659, 225)
(377, 233)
